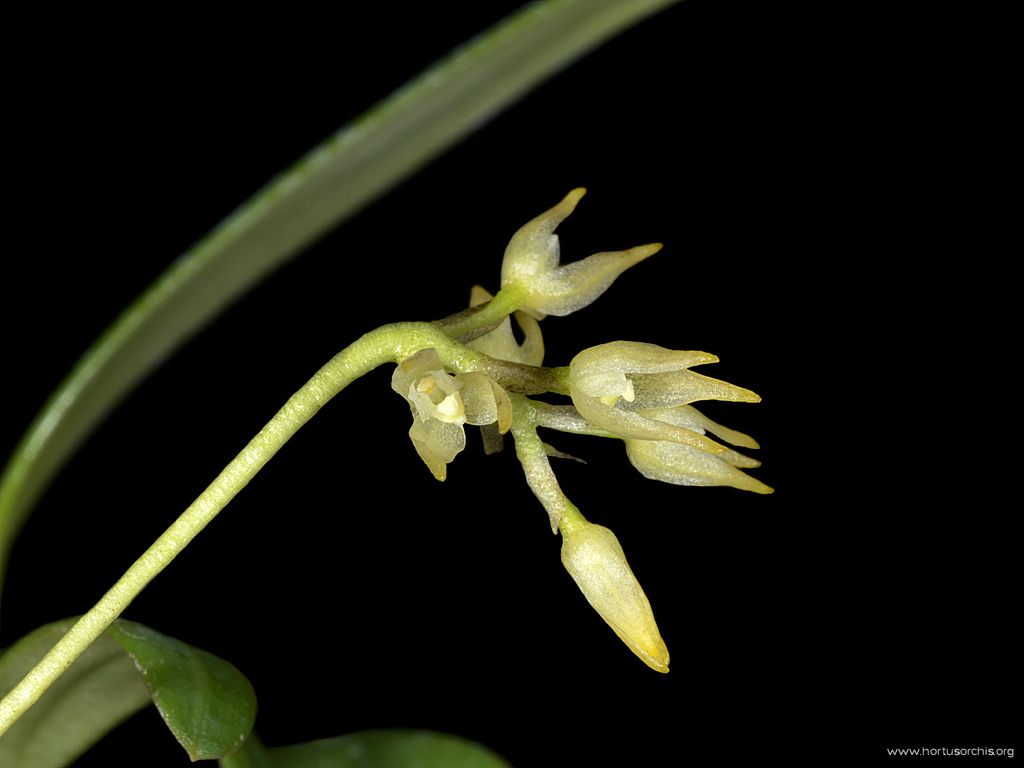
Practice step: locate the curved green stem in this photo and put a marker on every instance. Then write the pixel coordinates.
(390, 343)
(533, 456)
(482, 318)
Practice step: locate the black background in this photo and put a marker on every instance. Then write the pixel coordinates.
(780, 157)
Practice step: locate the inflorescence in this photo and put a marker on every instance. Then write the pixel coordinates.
(639, 393)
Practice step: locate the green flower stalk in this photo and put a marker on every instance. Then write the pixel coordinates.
(501, 342)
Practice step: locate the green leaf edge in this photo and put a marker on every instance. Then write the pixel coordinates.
(128, 645)
(119, 647)
(378, 748)
(234, 704)
(332, 182)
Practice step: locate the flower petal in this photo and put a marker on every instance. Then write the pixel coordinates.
(632, 357)
(689, 417)
(437, 444)
(533, 249)
(683, 465)
(501, 343)
(624, 423)
(572, 287)
(663, 390)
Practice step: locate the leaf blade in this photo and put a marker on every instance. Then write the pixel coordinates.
(207, 703)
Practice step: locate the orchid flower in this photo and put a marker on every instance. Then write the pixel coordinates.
(531, 264)
(441, 404)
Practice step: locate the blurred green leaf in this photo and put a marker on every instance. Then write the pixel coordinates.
(207, 703)
(371, 749)
(335, 180)
(99, 691)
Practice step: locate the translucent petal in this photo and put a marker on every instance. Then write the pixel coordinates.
(596, 562)
(410, 369)
(531, 351)
(478, 396)
(661, 390)
(533, 249)
(627, 424)
(605, 383)
(574, 286)
(565, 418)
(737, 459)
(437, 444)
(683, 465)
(689, 417)
(501, 343)
(437, 395)
(504, 405)
(479, 295)
(632, 357)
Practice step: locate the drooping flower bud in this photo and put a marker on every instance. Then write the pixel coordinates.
(595, 560)
(531, 264)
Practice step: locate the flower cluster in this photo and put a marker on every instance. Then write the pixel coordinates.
(641, 394)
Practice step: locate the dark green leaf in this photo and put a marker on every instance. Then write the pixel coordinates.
(372, 749)
(101, 689)
(206, 702)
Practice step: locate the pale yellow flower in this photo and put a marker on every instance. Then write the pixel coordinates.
(614, 386)
(441, 404)
(531, 264)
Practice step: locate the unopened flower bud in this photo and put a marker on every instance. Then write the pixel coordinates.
(595, 560)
